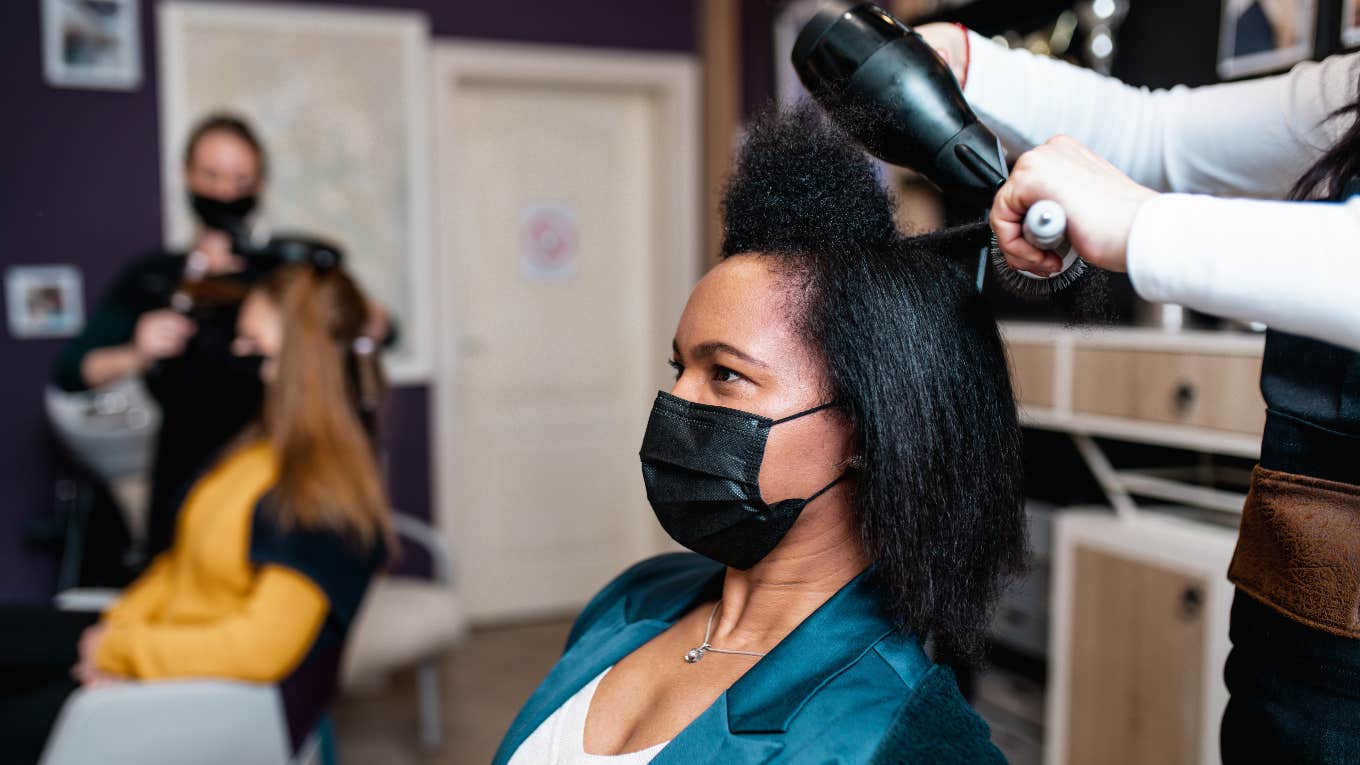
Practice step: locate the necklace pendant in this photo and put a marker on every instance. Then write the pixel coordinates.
(694, 655)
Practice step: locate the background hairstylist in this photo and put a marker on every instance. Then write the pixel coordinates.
(207, 394)
(1295, 661)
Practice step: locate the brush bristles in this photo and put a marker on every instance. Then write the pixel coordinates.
(1025, 287)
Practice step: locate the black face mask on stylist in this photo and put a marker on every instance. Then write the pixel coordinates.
(224, 215)
(701, 465)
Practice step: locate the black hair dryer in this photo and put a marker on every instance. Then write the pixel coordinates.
(885, 85)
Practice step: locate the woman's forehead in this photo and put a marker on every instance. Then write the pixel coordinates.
(221, 146)
(742, 302)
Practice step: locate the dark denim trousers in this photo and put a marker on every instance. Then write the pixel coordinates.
(1295, 692)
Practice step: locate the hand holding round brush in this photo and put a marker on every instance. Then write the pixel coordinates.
(892, 90)
(1100, 203)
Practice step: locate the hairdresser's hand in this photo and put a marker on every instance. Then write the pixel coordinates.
(951, 42)
(213, 254)
(1100, 202)
(162, 334)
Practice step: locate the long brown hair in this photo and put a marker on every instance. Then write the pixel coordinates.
(319, 408)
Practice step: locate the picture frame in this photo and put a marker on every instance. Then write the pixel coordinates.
(340, 99)
(44, 301)
(1350, 23)
(93, 44)
(1259, 36)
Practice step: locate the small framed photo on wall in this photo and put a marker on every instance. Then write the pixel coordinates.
(92, 44)
(44, 301)
(1350, 23)
(1258, 36)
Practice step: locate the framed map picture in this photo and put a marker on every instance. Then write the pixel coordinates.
(339, 98)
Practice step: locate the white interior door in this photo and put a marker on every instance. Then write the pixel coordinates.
(568, 246)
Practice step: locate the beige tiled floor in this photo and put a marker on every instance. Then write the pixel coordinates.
(485, 681)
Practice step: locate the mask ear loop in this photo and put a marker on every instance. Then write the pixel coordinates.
(805, 413)
(825, 488)
(840, 477)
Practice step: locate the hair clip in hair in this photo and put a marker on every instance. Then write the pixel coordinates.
(364, 345)
(323, 256)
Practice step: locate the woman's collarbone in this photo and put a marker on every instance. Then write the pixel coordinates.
(653, 694)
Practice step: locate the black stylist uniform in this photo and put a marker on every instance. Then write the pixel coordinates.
(1296, 617)
(207, 395)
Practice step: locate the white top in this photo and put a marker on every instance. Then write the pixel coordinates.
(1292, 265)
(560, 739)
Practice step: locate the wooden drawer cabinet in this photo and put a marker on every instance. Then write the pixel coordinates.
(1032, 373)
(1139, 637)
(1217, 391)
(1190, 390)
(1137, 661)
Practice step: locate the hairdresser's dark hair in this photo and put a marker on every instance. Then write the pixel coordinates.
(914, 361)
(1339, 164)
(224, 122)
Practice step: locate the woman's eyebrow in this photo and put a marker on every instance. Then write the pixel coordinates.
(712, 347)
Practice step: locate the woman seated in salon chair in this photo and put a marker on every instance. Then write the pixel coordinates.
(276, 543)
(841, 450)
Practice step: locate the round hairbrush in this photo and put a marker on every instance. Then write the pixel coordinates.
(889, 90)
(1045, 227)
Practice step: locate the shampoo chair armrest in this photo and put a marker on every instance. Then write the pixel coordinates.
(206, 722)
(91, 599)
(423, 534)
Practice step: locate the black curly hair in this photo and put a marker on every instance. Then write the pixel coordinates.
(912, 358)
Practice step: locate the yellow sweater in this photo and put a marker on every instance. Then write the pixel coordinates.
(203, 609)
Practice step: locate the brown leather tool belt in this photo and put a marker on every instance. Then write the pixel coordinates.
(1299, 549)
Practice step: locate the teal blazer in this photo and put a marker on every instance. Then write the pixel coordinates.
(844, 687)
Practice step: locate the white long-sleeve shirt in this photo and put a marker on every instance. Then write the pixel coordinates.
(1292, 265)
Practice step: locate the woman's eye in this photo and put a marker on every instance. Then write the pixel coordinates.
(723, 374)
(677, 366)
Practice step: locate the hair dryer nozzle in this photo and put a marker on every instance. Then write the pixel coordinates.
(886, 86)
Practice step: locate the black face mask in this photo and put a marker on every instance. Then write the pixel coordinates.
(701, 465)
(247, 366)
(223, 215)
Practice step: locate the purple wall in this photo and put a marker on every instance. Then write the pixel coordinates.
(81, 184)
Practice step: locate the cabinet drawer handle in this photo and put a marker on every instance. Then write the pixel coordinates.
(1184, 397)
(1192, 602)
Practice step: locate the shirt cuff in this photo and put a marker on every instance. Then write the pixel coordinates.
(1150, 254)
(985, 57)
(1173, 249)
(997, 83)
